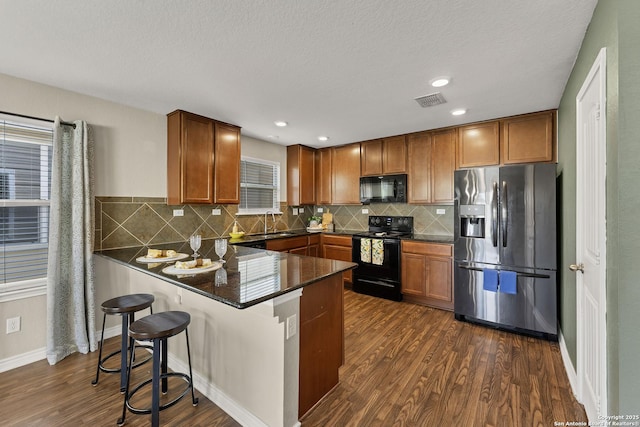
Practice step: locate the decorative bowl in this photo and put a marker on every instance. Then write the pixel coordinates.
(237, 235)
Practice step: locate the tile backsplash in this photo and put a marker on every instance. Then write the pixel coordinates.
(134, 221)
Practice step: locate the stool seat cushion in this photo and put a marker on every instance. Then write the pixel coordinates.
(159, 325)
(127, 303)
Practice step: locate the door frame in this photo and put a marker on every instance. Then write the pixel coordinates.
(598, 70)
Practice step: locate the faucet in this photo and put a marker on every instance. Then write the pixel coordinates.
(273, 218)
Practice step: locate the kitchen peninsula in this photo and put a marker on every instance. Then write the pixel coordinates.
(255, 322)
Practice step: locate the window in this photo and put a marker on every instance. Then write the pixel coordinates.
(25, 186)
(259, 186)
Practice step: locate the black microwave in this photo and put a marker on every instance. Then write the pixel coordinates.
(383, 189)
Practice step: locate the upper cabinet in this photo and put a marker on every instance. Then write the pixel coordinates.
(528, 138)
(479, 144)
(226, 168)
(300, 175)
(324, 193)
(346, 174)
(384, 156)
(203, 160)
(432, 158)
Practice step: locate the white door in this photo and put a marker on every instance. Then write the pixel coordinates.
(590, 264)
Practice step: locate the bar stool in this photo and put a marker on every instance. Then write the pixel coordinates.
(125, 306)
(157, 328)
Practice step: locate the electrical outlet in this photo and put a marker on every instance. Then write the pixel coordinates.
(292, 325)
(295, 211)
(13, 325)
(365, 211)
(320, 210)
(216, 212)
(178, 212)
(440, 211)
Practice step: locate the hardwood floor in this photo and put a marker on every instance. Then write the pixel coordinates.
(405, 365)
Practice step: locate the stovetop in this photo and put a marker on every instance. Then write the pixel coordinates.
(390, 227)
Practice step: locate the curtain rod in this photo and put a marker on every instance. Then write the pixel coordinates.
(38, 118)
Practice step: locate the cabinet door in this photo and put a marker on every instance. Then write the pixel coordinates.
(419, 176)
(479, 145)
(298, 251)
(394, 155)
(340, 253)
(323, 176)
(528, 138)
(346, 174)
(371, 157)
(196, 157)
(443, 164)
(415, 273)
(300, 175)
(439, 283)
(227, 164)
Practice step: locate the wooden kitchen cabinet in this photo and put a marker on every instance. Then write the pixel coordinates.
(385, 156)
(321, 340)
(427, 273)
(226, 169)
(295, 245)
(313, 248)
(339, 248)
(479, 144)
(528, 138)
(346, 174)
(301, 189)
(203, 160)
(323, 176)
(431, 166)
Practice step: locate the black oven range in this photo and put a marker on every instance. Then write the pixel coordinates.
(377, 253)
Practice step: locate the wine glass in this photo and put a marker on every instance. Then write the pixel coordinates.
(221, 277)
(195, 241)
(221, 248)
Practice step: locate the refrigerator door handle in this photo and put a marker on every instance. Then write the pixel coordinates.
(504, 217)
(494, 216)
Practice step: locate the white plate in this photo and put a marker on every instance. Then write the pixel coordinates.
(195, 270)
(177, 257)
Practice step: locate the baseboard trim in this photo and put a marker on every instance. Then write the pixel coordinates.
(568, 366)
(23, 359)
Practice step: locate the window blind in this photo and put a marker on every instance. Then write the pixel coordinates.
(25, 186)
(259, 186)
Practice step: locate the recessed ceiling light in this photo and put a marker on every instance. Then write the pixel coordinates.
(440, 81)
(458, 112)
(323, 138)
(273, 136)
(280, 123)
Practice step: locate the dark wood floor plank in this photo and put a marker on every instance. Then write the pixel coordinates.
(405, 365)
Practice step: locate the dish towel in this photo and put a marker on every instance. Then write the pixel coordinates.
(377, 251)
(365, 250)
(490, 280)
(509, 282)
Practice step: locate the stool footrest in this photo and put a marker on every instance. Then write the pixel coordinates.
(185, 377)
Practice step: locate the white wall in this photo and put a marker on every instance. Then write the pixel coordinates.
(131, 144)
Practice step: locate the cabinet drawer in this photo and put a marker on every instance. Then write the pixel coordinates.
(328, 239)
(287, 244)
(432, 249)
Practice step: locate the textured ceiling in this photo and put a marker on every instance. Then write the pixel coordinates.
(346, 69)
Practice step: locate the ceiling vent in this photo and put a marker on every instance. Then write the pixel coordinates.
(431, 100)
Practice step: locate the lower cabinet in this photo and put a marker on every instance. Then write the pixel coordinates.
(294, 245)
(338, 248)
(321, 340)
(427, 273)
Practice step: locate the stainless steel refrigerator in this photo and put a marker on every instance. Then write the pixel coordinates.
(505, 248)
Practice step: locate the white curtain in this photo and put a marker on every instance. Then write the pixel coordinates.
(70, 280)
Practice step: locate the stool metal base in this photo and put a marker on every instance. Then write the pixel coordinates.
(158, 380)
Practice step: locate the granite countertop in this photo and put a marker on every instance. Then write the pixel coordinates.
(252, 275)
(431, 238)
